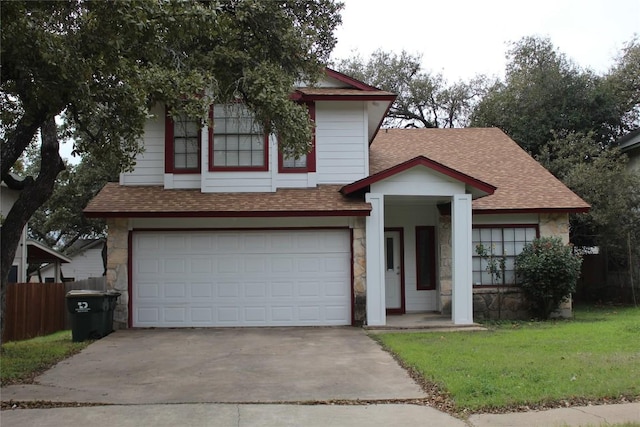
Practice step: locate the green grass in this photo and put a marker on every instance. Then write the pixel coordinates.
(595, 356)
(21, 361)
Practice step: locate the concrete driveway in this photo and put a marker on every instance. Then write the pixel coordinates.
(226, 366)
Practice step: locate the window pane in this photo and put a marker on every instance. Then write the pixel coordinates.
(232, 158)
(509, 248)
(186, 143)
(258, 143)
(477, 278)
(244, 158)
(219, 158)
(510, 263)
(290, 162)
(245, 142)
(486, 278)
(485, 234)
(233, 142)
(180, 161)
(509, 234)
(192, 161)
(219, 142)
(179, 146)
(257, 158)
(530, 234)
(520, 234)
(496, 235)
(389, 253)
(475, 234)
(497, 248)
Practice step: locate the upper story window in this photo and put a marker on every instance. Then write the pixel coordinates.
(239, 142)
(306, 162)
(182, 144)
(498, 246)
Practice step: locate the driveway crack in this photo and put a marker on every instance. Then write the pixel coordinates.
(238, 411)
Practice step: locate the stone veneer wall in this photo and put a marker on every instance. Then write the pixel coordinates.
(117, 265)
(488, 303)
(359, 272)
(445, 256)
(557, 225)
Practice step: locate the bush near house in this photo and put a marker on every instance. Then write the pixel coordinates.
(548, 271)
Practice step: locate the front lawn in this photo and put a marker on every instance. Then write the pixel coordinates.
(594, 357)
(21, 361)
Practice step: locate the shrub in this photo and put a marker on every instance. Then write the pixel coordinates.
(547, 271)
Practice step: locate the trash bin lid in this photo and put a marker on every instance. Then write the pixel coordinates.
(85, 293)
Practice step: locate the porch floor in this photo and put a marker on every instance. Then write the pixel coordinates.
(431, 322)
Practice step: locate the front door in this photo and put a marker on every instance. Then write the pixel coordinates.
(394, 297)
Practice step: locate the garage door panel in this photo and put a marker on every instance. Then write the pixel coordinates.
(202, 315)
(262, 278)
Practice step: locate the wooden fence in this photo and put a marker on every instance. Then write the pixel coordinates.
(36, 309)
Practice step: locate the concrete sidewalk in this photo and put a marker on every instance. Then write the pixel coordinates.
(231, 415)
(245, 415)
(595, 416)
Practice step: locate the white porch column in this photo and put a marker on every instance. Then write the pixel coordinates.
(462, 292)
(376, 314)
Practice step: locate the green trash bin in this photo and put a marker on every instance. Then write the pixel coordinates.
(91, 313)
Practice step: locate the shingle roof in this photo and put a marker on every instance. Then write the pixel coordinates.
(486, 154)
(116, 200)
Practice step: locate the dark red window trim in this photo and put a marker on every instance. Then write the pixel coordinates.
(213, 168)
(430, 284)
(169, 164)
(311, 156)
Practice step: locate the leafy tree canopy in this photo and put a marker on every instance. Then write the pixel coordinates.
(599, 175)
(102, 64)
(424, 99)
(544, 91)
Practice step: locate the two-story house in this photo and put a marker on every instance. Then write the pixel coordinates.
(214, 227)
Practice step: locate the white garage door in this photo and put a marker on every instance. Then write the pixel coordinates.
(241, 278)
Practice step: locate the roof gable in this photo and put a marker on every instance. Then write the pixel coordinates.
(470, 181)
(484, 155)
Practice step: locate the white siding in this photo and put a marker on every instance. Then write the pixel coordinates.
(84, 265)
(341, 142)
(419, 181)
(408, 216)
(181, 181)
(341, 156)
(149, 168)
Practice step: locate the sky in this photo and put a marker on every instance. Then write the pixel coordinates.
(463, 38)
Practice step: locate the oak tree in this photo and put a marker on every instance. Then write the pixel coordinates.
(101, 65)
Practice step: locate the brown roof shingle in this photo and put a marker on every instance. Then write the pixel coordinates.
(486, 154)
(116, 200)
